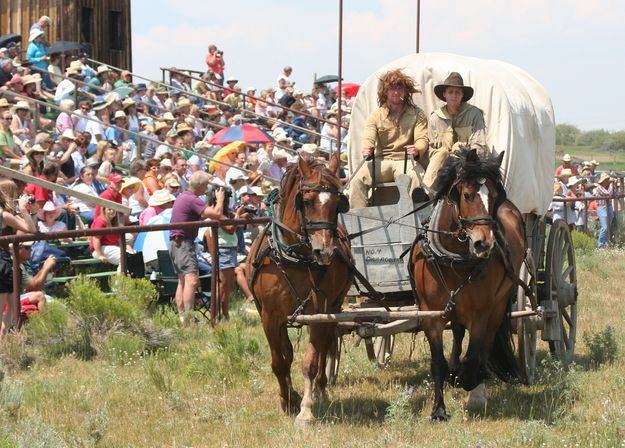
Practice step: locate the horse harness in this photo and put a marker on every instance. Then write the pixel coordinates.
(284, 254)
(437, 255)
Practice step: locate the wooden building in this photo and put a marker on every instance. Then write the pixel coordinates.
(102, 25)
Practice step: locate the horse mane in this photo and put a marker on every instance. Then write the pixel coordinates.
(464, 166)
(292, 177)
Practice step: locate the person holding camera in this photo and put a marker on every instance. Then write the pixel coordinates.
(189, 207)
(215, 62)
(12, 219)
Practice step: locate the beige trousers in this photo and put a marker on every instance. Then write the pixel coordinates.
(438, 158)
(385, 171)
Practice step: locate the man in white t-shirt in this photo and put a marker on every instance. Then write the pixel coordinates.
(283, 82)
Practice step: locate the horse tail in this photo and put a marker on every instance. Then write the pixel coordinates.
(502, 361)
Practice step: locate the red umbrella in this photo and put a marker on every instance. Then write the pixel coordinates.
(350, 89)
(244, 132)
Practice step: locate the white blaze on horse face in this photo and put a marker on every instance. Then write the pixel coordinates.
(324, 197)
(483, 193)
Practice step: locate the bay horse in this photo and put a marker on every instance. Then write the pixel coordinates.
(466, 264)
(301, 263)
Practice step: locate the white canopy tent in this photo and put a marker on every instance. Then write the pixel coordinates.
(517, 110)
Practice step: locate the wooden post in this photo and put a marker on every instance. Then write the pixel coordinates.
(123, 265)
(215, 288)
(14, 311)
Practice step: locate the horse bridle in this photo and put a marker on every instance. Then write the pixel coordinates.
(466, 223)
(309, 225)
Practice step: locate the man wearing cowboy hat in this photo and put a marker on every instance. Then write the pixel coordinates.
(566, 163)
(455, 125)
(605, 212)
(394, 134)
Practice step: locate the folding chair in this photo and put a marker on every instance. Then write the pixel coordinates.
(168, 283)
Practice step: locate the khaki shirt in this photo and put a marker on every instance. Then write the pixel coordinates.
(467, 127)
(388, 139)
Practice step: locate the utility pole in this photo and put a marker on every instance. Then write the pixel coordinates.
(418, 22)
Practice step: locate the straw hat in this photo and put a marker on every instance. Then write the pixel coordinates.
(309, 148)
(168, 116)
(185, 102)
(103, 69)
(35, 148)
(280, 153)
(34, 34)
(120, 114)
(258, 191)
(166, 163)
(160, 125)
(603, 177)
(68, 134)
(128, 102)
(129, 182)
(161, 197)
(573, 180)
(4, 102)
(20, 105)
(566, 158)
(183, 127)
(171, 182)
(49, 207)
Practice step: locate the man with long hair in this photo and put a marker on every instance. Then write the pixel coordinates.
(395, 135)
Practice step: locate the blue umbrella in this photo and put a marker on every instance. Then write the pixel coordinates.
(151, 242)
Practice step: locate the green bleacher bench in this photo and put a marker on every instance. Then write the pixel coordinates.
(90, 275)
(85, 261)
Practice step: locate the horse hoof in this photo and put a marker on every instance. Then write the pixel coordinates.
(439, 416)
(304, 422)
(476, 400)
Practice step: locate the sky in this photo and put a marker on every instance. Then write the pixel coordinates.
(574, 48)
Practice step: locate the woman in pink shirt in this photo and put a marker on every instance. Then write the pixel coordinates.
(160, 200)
(64, 120)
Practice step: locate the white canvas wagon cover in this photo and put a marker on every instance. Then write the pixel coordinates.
(517, 110)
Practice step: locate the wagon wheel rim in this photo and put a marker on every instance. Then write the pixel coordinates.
(561, 275)
(526, 327)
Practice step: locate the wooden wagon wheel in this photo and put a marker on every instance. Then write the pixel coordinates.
(526, 327)
(380, 349)
(561, 286)
(333, 359)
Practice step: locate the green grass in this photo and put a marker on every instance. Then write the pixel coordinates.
(207, 388)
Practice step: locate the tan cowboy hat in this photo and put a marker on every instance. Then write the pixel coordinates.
(185, 102)
(35, 148)
(566, 158)
(453, 80)
(168, 116)
(103, 69)
(4, 102)
(128, 102)
(129, 182)
(20, 105)
(161, 197)
(160, 126)
(120, 114)
(183, 127)
(603, 177)
(309, 148)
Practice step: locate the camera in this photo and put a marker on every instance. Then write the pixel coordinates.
(31, 199)
(249, 208)
(211, 199)
(220, 52)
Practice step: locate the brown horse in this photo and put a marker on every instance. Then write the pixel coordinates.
(467, 265)
(301, 263)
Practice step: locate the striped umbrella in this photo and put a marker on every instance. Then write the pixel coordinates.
(244, 132)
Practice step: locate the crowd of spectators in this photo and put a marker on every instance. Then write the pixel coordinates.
(572, 182)
(147, 145)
